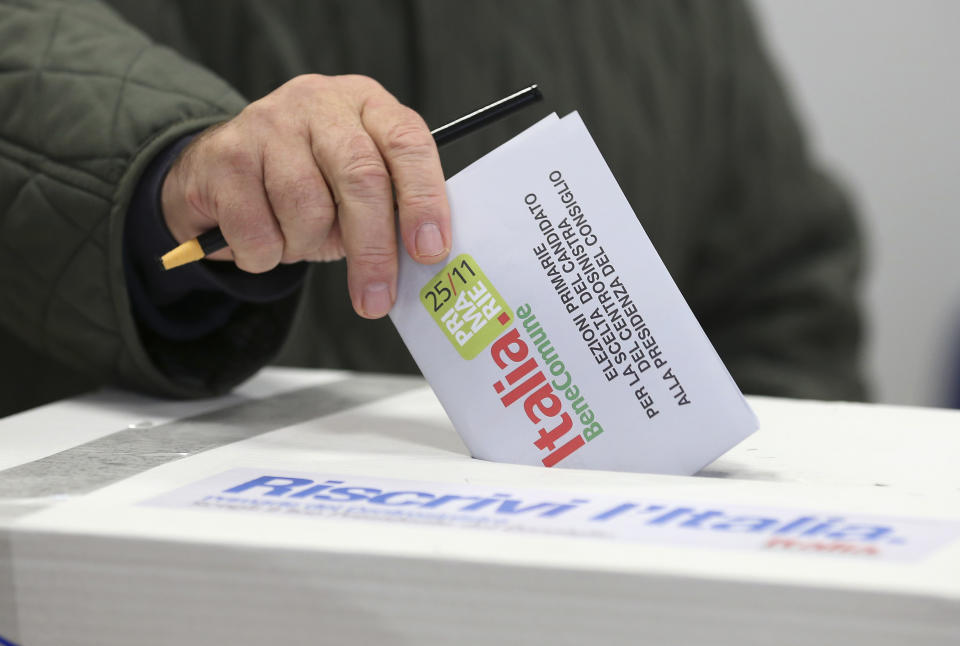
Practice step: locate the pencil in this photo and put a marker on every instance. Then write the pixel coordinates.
(213, 240)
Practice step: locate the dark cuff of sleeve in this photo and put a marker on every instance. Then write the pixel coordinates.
(191, 301)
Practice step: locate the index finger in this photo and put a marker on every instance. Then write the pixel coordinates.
(411, 156)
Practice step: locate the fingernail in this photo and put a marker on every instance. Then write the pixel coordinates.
(429, 240)
(376, 300)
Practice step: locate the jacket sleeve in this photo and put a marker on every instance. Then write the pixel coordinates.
(86, 101)
(778, 264)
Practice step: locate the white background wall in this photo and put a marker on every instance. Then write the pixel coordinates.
(878, 85)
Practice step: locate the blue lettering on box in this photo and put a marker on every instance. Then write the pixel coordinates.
(674, 523)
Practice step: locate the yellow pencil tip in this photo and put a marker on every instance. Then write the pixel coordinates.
(189, 251)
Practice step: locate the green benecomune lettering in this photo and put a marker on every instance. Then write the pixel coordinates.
(564, 381)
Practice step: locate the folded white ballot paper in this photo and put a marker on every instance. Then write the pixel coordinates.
(554, 335)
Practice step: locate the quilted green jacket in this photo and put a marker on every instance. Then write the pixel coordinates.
(680, 97)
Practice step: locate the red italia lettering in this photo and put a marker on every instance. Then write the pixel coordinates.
(564, 451)
(505, 345)
(548, 438)
(543, 400)
(525, 380)
(523, 389)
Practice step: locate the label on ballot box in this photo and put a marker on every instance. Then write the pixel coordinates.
(676, 522)
(554, 335)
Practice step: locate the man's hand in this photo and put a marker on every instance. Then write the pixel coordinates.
(308, 173)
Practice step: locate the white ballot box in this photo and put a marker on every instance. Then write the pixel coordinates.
(318, 507)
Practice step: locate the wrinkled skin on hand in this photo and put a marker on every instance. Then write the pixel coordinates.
(309, 172)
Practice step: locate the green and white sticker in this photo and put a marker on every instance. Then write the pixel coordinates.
(466, 306)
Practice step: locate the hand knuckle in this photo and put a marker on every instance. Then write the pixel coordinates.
(375, 259)
(367, 177)
(235, 153)
(423, 200)
(308, 83)
(363, 83)
(306, 193)
(261, 110)
(409, 139)
(274, 118)
(364, 174)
